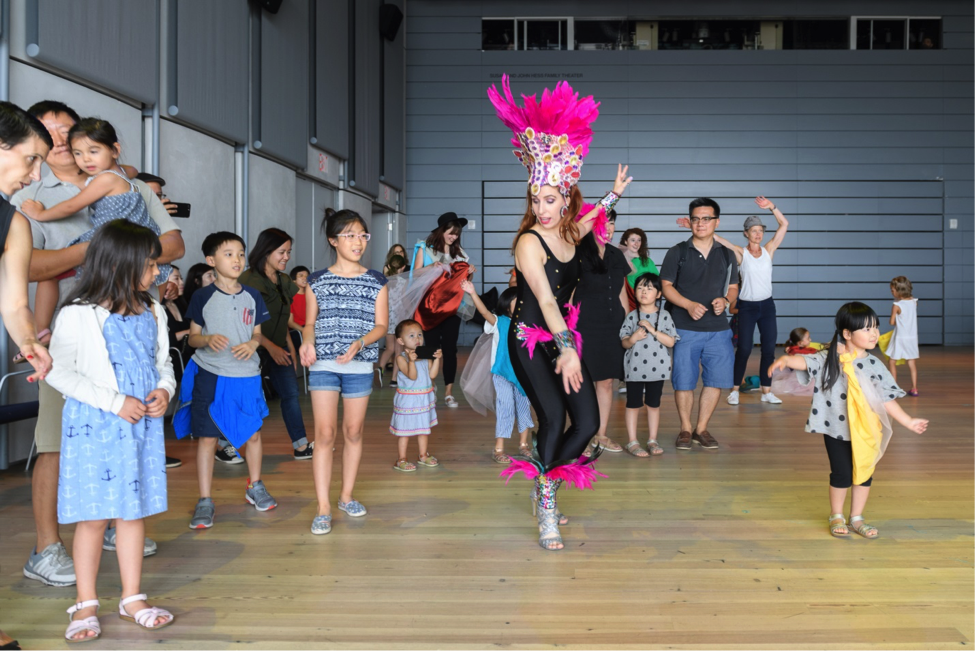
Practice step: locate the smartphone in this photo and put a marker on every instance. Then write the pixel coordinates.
(182, 209)
(425, 352)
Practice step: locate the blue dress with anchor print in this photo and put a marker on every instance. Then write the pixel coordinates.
(111, 468)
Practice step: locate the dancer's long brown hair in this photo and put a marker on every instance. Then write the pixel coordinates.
(568, 228)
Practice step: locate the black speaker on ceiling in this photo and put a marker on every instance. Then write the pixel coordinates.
(270, 6)
(390, 18)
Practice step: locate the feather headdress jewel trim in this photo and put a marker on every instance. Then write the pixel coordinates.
(552, 135)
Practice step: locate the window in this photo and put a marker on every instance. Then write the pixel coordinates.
(897, 33)
(829, 34)
(709, 34)
(498, 34)
(542, 34)
(614, 34)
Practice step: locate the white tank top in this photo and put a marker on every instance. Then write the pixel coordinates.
(756, 276)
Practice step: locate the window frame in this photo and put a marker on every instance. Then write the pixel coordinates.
(907, 28)
(521, 29)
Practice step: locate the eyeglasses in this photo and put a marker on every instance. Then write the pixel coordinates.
(702, 220)
(359, 236)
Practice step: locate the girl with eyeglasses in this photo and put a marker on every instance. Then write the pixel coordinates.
(347, 310)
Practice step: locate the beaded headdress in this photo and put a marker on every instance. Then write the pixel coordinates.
(552, 135)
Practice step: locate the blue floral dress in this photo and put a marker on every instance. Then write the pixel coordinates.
(111, 468)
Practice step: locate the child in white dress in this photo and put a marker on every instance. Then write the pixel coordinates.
(903, 341)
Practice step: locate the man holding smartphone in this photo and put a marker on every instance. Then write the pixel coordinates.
(156, 184)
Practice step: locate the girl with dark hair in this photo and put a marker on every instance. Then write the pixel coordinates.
(853, 396)
(542, 342)
(601, 297)
(395, 264)
(503, 390)
(634, 246)
(648, 335)
(267, 262)
(24, 143)
(437, 312)
(108, 192)
(347, 310)
(197, 277)
(112, 354)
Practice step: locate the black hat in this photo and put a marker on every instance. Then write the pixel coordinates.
(448, 217)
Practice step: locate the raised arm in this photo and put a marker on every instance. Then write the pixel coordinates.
(489, 316)
(97, 189)
(782, 229)
(587, 221)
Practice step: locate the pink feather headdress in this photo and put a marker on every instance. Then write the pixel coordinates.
(552, 135)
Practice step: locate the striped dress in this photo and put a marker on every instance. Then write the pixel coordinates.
(415, 403)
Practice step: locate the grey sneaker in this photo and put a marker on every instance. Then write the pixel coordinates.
(322, 524)
(52, 566)
(108, 543)
(203, 515)
(353, 507)
(258, 496)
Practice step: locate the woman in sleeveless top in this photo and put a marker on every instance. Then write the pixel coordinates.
(755, 304)
(542, 342)
(24, 144)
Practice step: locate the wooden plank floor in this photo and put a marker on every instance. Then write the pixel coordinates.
(693, 549)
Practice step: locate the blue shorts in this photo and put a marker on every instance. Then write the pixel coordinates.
(350, 385)
(711, 350)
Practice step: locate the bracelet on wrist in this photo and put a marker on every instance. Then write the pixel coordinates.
(609, 201)
(564, 340)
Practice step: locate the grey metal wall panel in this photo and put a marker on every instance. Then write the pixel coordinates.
(366, 139)
(207, 87)
(332, 76)
(110, 43)
(394, 108)
(283, 125)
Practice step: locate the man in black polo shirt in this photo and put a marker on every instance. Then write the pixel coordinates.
(700, 281)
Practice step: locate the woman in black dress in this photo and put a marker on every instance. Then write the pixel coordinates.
(601, 297)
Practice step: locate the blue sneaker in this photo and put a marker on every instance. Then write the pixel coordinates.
(353, 508)
(321, 525)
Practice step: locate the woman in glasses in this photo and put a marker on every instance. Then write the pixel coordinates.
(266, 273)
(437, 312)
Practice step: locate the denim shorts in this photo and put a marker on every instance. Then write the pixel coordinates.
(350, 385)
(711, 351)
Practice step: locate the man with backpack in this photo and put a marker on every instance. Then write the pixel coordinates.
(700, 281)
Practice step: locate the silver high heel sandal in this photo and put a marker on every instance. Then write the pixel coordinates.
(548, 530)
(563, 518)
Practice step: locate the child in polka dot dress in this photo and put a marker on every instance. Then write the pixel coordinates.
(853, 394)
(648, 334)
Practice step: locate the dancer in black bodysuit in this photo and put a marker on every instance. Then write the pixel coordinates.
(543, 344)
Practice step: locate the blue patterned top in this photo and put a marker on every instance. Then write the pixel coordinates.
(346, 311)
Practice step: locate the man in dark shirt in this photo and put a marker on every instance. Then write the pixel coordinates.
(699, 288)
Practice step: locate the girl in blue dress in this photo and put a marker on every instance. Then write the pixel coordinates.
(111, 362)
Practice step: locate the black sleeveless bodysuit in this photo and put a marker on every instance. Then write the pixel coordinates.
(537, 375)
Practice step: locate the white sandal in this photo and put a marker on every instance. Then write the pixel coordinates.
(86, 624)
(146, 616)
(451, 402)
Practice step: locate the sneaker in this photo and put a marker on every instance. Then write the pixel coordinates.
(733, 398)
(108, 543)
(353, 508)
(203, 515)
(771, 398)
(229, 455)
(622, 389)
(301, 455)
(52, 566)
(173, 462)
(258, 496)
(392, 382)
(321, 525)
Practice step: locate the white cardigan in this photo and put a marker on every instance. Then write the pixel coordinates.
(82, 368)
